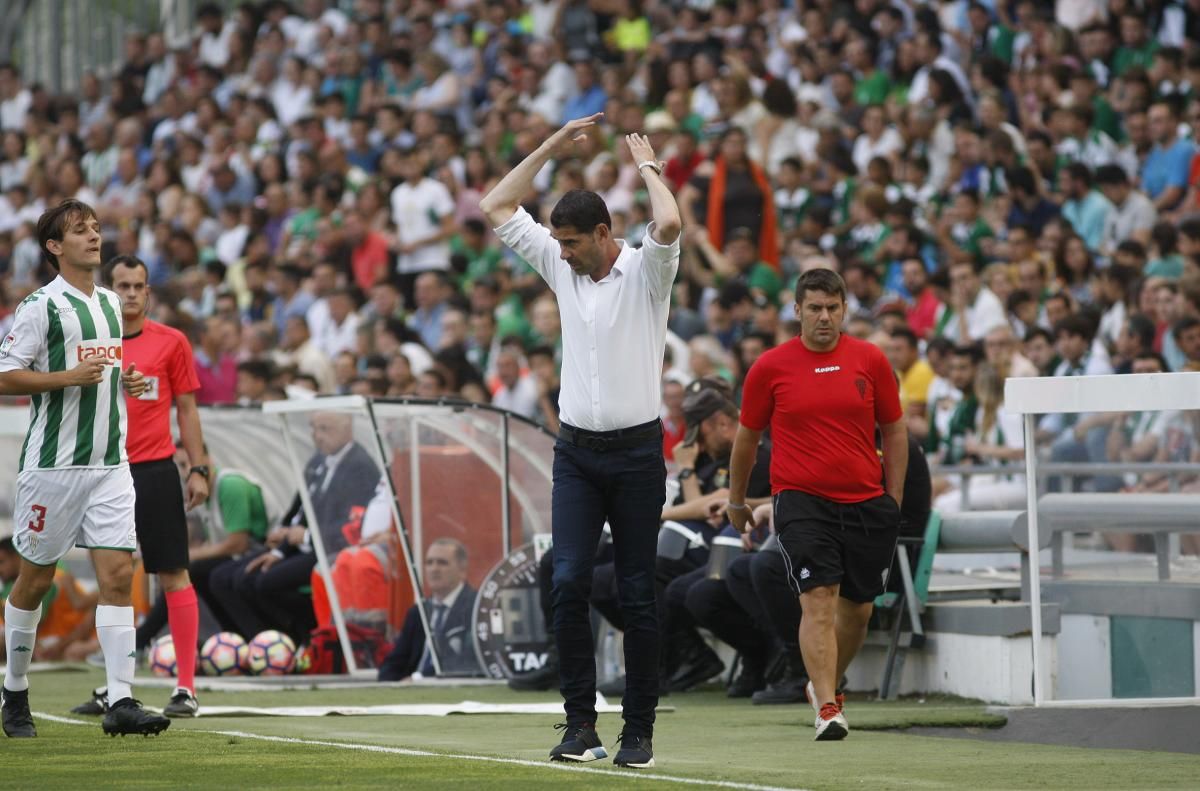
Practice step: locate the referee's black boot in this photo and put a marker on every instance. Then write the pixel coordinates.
(18, 722)
(126, 717)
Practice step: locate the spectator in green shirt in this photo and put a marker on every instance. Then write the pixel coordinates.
(871, 86)
(1137, 49)
(961, 231)
(469, 248)
(739, 261)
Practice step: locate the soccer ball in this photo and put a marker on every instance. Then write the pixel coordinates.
(271, 653)
(303, 660)
(223, 654)
(162, 657)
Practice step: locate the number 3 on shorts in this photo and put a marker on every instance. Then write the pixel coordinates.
(38, 523)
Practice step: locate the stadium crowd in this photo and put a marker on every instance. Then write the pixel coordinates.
(1007, 188)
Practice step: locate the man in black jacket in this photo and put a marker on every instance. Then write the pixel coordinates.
(262, 591)
(448, 610)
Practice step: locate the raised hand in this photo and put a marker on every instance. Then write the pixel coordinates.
(134, 383)
(640, 148)
(562, 143)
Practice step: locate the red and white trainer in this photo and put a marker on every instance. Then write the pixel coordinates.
(831, 724)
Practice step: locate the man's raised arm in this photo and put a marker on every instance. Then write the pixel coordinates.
(502, 201)
(664, 211)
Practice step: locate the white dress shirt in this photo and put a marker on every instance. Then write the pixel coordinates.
(614, 331)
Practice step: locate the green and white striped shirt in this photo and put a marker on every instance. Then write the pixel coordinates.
(55, 329)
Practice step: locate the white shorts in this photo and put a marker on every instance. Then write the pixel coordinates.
(90, 507)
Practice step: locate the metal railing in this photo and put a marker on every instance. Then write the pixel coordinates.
(57, 41)
(1067, 472)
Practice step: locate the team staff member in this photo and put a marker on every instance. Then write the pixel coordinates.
(164, 357)
(823, 394)
(608, 461)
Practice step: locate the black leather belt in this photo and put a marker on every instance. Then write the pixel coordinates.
(620, 439)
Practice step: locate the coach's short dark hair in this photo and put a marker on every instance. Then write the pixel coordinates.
(52, 225)
(824, 280)
(582, 210)
(130, 261)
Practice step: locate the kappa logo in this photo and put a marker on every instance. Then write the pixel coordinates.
(22, 649)
(805, 574)
(827, 369)
(109, 352)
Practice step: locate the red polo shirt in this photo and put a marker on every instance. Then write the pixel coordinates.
(822, 408)
(164, 357)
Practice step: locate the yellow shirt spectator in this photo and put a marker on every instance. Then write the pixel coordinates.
(632, 35)
(914, 383)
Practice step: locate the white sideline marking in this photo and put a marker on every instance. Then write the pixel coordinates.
(63, 720)
(378, 748)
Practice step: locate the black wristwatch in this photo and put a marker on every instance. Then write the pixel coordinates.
(200, 469)
(685, 473)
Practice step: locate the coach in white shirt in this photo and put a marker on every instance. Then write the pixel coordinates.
(608, 462)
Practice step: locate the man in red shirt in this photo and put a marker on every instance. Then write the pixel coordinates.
(370, 258)
(164, 357)
(822, 395)
(923, 306)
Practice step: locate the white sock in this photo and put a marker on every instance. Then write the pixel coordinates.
(20, 631)
(114, 627)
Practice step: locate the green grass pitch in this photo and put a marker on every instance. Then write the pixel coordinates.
(708, 741)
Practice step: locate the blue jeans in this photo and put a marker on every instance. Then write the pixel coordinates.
(627, 488)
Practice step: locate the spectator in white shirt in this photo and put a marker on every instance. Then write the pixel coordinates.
(517, 393)
(14, 99)
(339, 333)
(1132, 215)
(608, 463)
(214, 37)
(423, 211)
(974, 308)
(877, 140)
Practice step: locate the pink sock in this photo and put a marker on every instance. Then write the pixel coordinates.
(184, 617)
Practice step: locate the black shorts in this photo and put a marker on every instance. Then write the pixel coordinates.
(827, 543)
(159, 515)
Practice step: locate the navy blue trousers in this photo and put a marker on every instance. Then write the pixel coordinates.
(627, 488)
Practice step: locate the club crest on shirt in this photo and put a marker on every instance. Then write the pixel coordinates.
(151, 392)
(861, 384)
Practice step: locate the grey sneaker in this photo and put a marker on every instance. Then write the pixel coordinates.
(183, 704)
